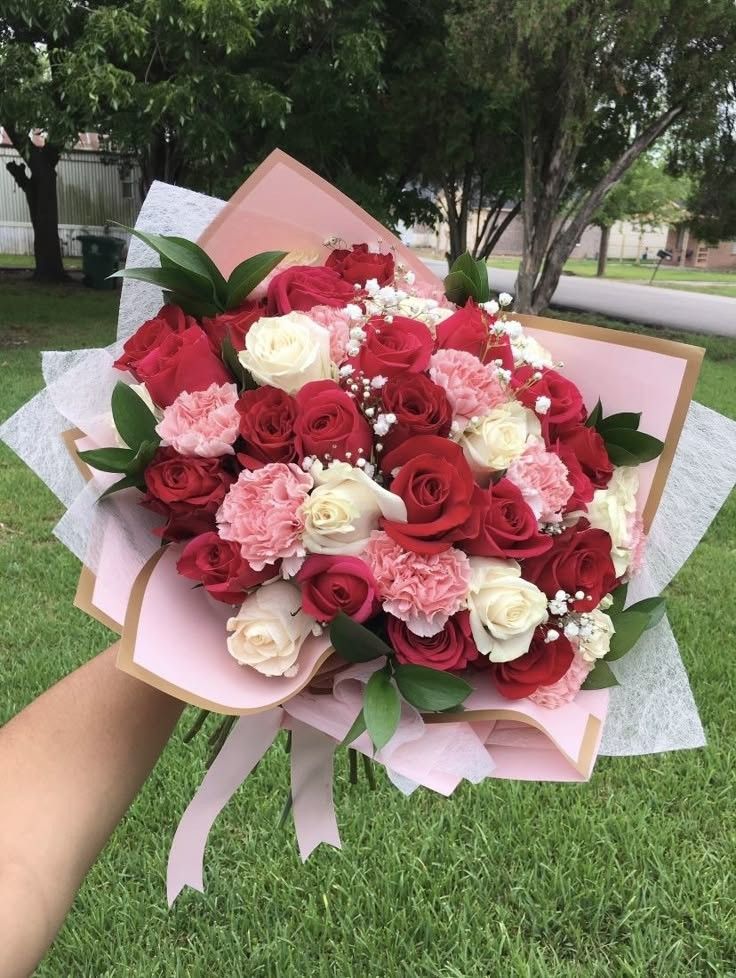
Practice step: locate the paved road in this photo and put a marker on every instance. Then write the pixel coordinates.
(691, 311)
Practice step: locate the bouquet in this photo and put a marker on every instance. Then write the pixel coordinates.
(327, 492)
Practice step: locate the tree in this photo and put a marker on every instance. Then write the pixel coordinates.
(595, 83)
(647, 195)
(168, 83)
(712, 161)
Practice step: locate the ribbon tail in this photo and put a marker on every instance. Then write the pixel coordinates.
(249, 740)
(312, 754)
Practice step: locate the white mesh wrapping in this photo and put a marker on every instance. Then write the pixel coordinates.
(653, 710)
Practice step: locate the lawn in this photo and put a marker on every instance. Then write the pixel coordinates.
(28, 261)
(629, 876)
(630, 271)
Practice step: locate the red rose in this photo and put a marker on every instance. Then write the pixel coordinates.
(359, 264)
(302, 287)
(181, 362)
(334, 584)
(582, 487)
(566, 401)
(452, 648)
(590, 451)
(267, 418)
(234, 324)
(544, 664)
(187, 491)
(421, 408)
(148, 337)
(507, 526)
(436, 484)
(328, 423)
(399, 347)
(471, 329)
(217, 564)
(579, 560)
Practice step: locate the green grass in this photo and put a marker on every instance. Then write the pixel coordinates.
(629, 271)
(629, 876)
(28, 261)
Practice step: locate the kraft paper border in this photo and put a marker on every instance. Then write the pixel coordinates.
(693, 355)
(585, 760)
(126, 649)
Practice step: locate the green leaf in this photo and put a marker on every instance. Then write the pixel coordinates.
(381, 708)
(430, 689)
(358, 728)
(231, 360)
(143, 456)
(654, 607)
(355, 642)
(134, 481)
(170, 279)
(108, 459)
(626, 419)
(624, 444)
(619, 599)
(186, 255)
(595, 415)
(133, 418)
(193, 307)
(600, 677)
(248, 274)
(458, 288)
(630, 626)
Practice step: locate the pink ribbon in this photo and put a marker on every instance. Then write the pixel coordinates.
(312, 754)
(249, 740)
(313, 808)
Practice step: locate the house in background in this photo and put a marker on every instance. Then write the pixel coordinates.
(688, 251)
(93, 187)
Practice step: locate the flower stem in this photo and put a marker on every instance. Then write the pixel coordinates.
(196, 726)
(353, 762)
(369, 772)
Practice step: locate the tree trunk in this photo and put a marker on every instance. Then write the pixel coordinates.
(40, 191)
(603, 251)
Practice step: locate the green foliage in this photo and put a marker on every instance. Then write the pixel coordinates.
(381, 708)
(625, 444)
(354, 641)
(468, 279)
(601, 676)
(431, 690)
(647, 195)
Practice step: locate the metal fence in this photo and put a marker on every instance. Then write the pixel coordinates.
(91, 191)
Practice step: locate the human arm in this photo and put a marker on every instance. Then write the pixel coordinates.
(71, 763)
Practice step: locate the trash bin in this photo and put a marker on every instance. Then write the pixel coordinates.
(100, 258)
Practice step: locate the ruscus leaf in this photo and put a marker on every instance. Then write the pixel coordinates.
(134, 420)
(108, 459)
(355, 642)
(250, 273)
(601, 677)
(381, 708)
(430, 689)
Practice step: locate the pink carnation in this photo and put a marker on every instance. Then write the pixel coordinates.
(471, 387)
(262, 512)
(422, 590)
(203, 423)
(542, 478)
(637, 546)
(337, 322)
(566, 689)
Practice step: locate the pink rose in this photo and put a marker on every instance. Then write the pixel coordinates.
(471, 387)
(451, 648)
(423, 590)
(203, 423)
(334, 584)
(543, 480)
(263, 513)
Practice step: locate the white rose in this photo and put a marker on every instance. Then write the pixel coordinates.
(344, 509)
(596, 633)
(504, 608)
(269, 630)
(493, 442)
(287, 351)
(613, 509)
